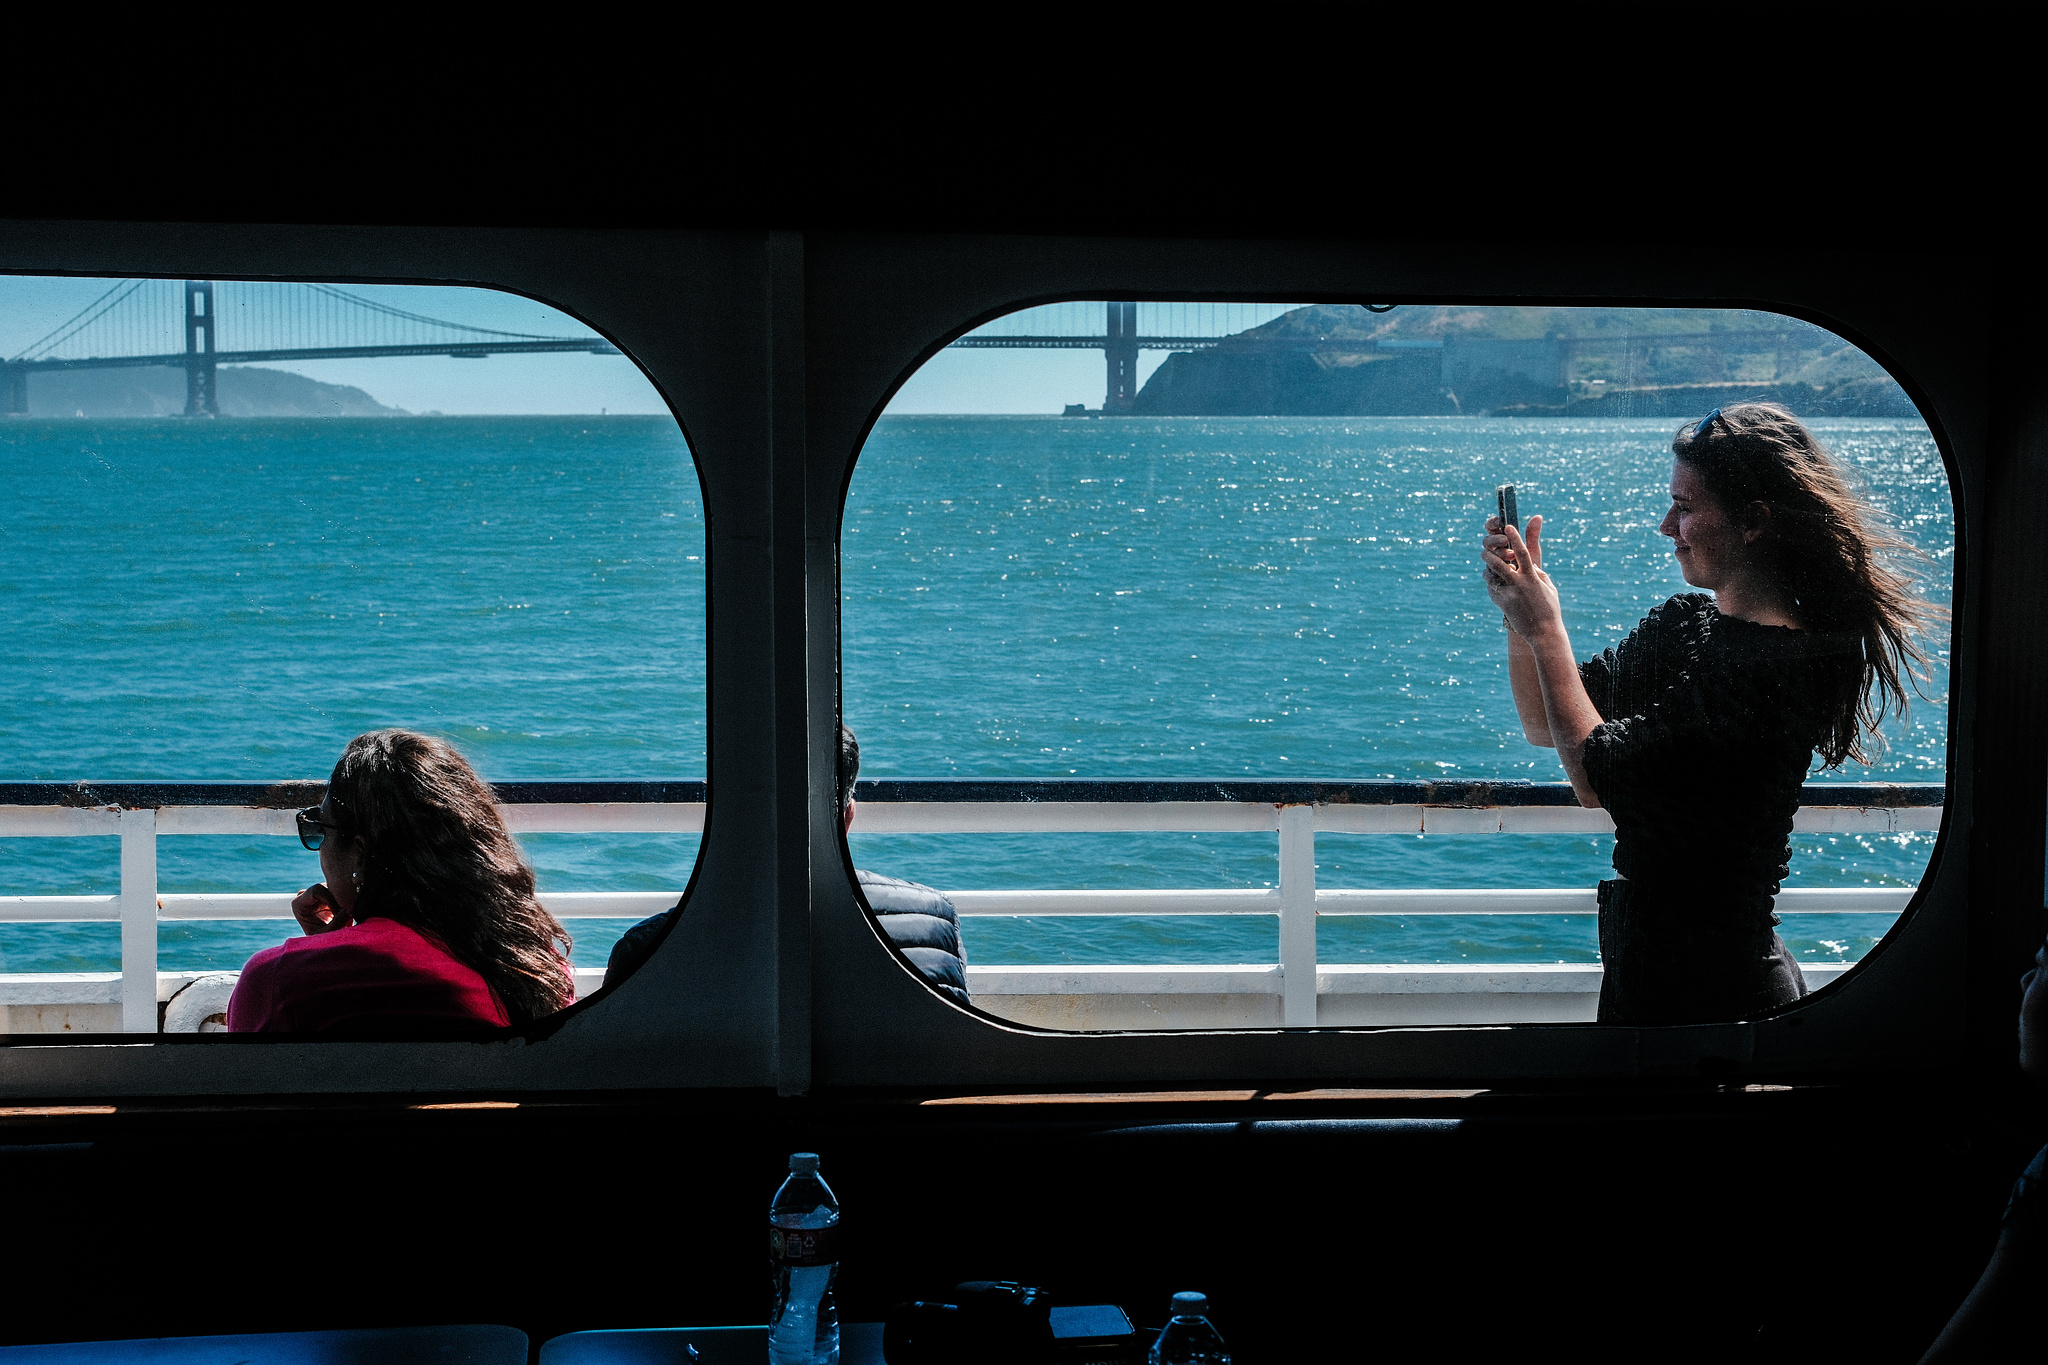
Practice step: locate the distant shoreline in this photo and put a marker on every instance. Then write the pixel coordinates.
(1576, 412)
(396, 415)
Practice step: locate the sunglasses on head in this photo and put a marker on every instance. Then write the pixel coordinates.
(1700, 431)
(313, 830)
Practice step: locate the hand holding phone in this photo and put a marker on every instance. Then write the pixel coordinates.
(1504, 500)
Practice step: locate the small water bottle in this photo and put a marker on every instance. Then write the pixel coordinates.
(1188, 1338)
(803, 1248)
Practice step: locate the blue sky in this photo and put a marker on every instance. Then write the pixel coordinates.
(1011, 381)
(30, 306)
(1020, 381)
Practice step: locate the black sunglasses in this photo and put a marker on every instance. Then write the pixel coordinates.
(313, 830)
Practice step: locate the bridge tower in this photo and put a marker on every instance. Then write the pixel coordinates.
(201, 399)
(13, 390)
(1120, 348)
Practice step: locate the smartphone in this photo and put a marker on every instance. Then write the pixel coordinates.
(1505, 495)
(1093, 1334)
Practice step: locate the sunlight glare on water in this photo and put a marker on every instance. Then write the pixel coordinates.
(1024, 597)
(1267, 597)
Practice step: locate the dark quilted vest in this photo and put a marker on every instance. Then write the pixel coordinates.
(925, 928)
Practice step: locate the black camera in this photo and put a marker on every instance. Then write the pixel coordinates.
(1002, 1322)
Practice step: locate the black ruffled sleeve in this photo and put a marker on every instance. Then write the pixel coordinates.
(1701, 760)
(1686, 712)
(1638, 668)
(1640, 762)
(1708, 729)
(1597, 673)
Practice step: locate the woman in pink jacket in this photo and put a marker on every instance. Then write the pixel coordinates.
(425, 922)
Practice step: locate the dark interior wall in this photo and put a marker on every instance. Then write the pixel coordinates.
(1674, 1226)
(777, 350)
(1841, 1220)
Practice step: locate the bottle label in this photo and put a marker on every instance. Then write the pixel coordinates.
(803, 1246)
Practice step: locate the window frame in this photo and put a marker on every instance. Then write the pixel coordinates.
(1831, 988)
(774, 978)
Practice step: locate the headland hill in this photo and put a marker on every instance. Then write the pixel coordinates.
(159, 391)
(1342, 360)
(1321, 360)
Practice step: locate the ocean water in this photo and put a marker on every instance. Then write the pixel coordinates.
(234, 600)
(1023, 597)
(1194, 597)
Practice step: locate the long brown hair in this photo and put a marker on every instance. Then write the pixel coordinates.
(437, 857)
(1829, 551)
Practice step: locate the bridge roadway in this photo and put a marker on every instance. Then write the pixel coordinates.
(1079, 343)
(201, 357)
(462, 351)
(200, 365)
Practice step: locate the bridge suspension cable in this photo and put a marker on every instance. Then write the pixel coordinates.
(1202, 318)
(1120, 329)
(93, 313)
(146, 317)
(203, 324)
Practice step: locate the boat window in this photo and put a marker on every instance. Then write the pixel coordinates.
(250, 521)
(1178, 608)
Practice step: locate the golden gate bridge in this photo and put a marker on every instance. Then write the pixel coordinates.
(200, 325)
(1127, 328)
(240, 322)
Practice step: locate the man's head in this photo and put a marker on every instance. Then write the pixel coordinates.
(849, 770)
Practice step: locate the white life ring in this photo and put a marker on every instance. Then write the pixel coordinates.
(201, 1004)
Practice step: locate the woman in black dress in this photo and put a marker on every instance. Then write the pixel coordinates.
(1697, 731)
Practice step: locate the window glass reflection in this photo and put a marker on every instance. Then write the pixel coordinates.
(500, 544)
(1265, 568)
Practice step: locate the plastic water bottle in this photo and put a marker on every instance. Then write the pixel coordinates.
(1188, 1338)
(803, 1247)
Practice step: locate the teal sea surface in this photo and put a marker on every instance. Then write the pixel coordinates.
(1024, 597)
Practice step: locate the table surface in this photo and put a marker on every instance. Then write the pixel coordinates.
(860, 1343)
(478, 1344)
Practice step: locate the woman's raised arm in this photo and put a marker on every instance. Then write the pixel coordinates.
(1528, 599)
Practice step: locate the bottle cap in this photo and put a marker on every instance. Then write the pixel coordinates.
(1187, 1304)
(804, 1163)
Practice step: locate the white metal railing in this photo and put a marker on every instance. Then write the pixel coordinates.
(139, 907)
(1296, 902)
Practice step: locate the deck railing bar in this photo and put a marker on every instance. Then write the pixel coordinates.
(276, 905)
(1379, 792)
(291, 795)
(1025, 904)
(138, 812)
(1298, 916)
(1335, 903)
(984, 818)
(297, 794)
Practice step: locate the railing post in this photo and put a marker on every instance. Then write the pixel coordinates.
(138, 921)
(1298, 916)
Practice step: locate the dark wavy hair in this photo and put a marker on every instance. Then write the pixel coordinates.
(849, 765)
(437, 857)
(1831, 554)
